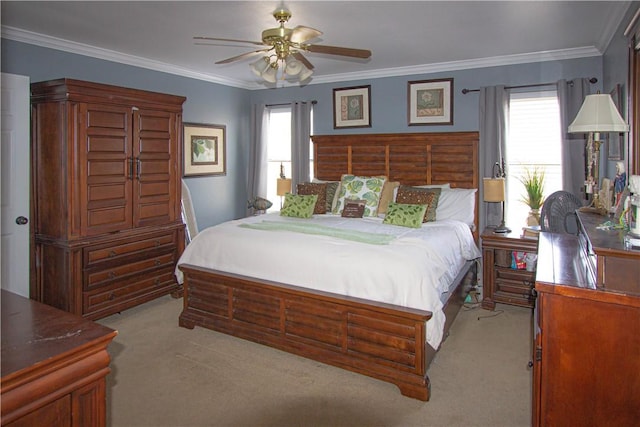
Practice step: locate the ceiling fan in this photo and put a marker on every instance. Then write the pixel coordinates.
(283, 47)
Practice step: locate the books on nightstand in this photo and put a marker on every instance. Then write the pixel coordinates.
(531, 232)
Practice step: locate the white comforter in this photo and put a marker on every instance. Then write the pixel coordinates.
(411, 271)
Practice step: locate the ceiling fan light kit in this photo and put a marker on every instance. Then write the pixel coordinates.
(284, 51)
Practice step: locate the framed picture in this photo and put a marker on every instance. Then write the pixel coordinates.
(615, 149)
(204, 149)
(430, 102)
(352, 107)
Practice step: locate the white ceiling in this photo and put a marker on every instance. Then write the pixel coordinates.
(405, 37)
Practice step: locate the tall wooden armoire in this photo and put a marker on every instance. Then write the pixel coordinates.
(106, 223)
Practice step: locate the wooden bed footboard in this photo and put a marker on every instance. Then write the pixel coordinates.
(380, 340)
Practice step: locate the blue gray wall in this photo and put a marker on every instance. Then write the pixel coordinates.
(217, 199)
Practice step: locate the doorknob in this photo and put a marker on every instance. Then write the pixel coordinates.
(21, 220)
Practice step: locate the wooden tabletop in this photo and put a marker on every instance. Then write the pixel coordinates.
(34, 333)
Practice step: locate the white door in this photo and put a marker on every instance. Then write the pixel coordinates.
(14, 164)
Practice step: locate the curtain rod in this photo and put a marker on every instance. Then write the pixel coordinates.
(314, 102)
(466, 91)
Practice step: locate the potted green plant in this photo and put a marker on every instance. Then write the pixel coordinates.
(533, 182)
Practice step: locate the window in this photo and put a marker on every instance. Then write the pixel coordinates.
(279, 150)
(533, 142)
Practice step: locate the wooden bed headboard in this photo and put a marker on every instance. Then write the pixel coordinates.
(410, 158)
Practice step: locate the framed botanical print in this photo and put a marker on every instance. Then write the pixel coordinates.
(204, 149)
(430, 102)
(352, 107)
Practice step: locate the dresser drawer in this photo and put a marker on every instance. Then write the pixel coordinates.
(125, 250)
(118, 296)
(98, 277)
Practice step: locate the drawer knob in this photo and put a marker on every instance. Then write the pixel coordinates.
(157, 262)
(112, 296)
(112, 254)
(157, 281)
(112, 274)
(157, 243)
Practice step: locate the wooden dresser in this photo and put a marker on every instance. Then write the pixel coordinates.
(106, 169)
(586, 361)
(54, 366)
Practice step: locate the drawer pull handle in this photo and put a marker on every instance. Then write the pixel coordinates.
(112, 274)
(112, 296)
(157, 243)
(157, 281)
(157, 262)
(112, 254)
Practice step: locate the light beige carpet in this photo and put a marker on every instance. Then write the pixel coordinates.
(164, 375)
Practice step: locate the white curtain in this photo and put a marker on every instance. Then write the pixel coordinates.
(257, 174)
(494, 114)
(300, 142)
(571, 94)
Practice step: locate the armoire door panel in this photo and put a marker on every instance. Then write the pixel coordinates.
(103, 219)
(107, 192)
(156, 167)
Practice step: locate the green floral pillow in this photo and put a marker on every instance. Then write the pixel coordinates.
(367, 188)
(405, 215)
(299, 206)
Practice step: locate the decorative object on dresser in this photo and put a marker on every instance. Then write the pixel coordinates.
(106, 195)
(205, 149)
(634, 205)
(430, 102)
(506, 276)
(54, 366)
(598, 114)
(586, 343)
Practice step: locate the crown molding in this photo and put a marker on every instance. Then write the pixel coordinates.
(42, 40)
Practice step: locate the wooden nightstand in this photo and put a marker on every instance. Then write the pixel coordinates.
(501, 283)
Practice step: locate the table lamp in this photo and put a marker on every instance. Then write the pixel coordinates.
(494, 192)
(597, 114)
(283, 187)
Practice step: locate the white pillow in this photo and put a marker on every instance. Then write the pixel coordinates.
(447, 185)
(457, 203)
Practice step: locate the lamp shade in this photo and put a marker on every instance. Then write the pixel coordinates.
(598, 113)
(493, 189)
(284, 186)
(259, 66)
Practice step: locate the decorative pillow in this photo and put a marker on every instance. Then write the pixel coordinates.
(420, 196)
(308, 188)
(458, 204)
(333, 189)
(406, 215)
(366, 188)
(299, 206)
(387, 196)
(353, 208)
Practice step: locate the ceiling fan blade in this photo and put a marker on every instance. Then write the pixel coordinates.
(335, 50)
(241, 56)
(302, 59)
(228, 40)
(301, 34)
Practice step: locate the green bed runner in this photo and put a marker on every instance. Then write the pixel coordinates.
(353, 235)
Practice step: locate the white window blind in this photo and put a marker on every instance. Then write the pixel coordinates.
(533, 142)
